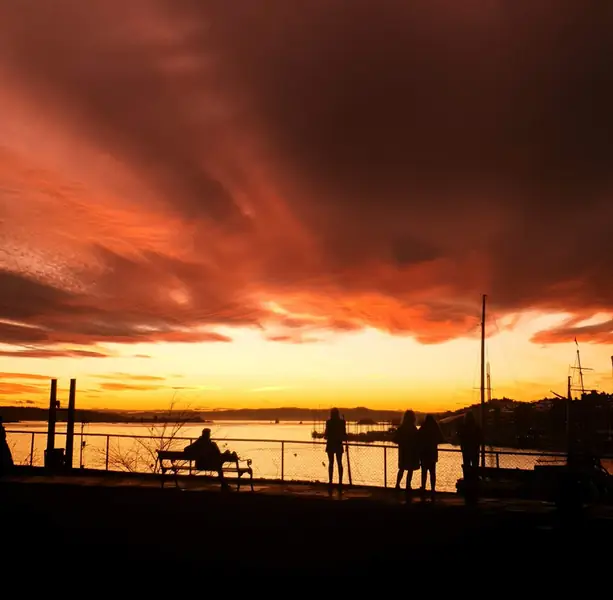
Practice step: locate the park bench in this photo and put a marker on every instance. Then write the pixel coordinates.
(477, 481)
(180, 461)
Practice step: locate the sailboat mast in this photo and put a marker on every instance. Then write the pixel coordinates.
(580, 369)
(483, 382)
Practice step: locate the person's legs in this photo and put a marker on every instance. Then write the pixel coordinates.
(339, 464)
(220, 476)
(408, 487)
(433, 480)
(424, 479)
(399, 478)
(330, 467)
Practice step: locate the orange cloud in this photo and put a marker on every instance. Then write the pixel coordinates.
(599, 333)
(166, 178)
(130, 377)
(29, 376)
(9, 388)
(123, 387)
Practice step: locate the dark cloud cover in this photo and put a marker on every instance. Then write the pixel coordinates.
(354, 164)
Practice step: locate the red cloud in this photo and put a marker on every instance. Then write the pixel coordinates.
(187, 169)
(53, 352)
(599, 333)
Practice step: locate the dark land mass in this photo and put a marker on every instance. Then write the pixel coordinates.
(111, 530)
(14, 414)
(21, 413)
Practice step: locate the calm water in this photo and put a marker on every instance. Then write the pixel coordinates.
(300, 458)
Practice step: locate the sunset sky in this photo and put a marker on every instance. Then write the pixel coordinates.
(301, 203)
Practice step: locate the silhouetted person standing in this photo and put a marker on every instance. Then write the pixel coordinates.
(408, 455)
(207, 455)
(470, 436)
(429, 436)
(335, 434)
(6, 458)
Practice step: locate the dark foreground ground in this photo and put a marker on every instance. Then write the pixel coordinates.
(121, 524)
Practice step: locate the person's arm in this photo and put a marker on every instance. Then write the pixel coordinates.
(344, 430)
(191, 447)
(327, 430)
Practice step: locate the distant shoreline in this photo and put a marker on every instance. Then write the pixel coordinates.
(26, 413)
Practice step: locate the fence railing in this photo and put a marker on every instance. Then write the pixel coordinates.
(373, 464)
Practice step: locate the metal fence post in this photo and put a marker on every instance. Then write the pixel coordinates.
(385, 466)
(32, 449)
(283, 461)
(108, 437)
(497, 460)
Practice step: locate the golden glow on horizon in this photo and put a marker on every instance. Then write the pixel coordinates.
(367, 368)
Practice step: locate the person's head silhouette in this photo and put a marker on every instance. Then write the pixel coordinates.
(335, 414)
(408, 418)
(206, 433)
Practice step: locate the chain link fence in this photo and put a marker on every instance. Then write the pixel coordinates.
(304, 461)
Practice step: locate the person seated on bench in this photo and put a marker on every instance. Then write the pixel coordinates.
(207, 455)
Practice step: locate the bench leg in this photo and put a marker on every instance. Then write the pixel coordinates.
(251, 479)
(238, 478)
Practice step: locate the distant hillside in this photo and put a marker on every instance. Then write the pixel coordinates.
(298, 414)
(22, 413)
(29, 413)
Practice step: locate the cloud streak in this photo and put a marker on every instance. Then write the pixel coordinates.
(28, 376)
(129, 387)
(170, 168)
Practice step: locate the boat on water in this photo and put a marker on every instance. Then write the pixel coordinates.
(363, 436)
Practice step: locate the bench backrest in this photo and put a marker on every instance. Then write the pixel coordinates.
(172, 454)
(180, 455)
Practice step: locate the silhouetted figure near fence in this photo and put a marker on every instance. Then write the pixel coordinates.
(429, 437)
(408, 452)
(6, 458)
(335, 434)
(207, 455)
(470, 436)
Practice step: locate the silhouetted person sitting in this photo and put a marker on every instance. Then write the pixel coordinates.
(470, 436)
(429, 437)
(335, 435)
(408, 454)
(207, 455)
(6, 458)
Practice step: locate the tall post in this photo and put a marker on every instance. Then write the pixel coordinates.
(569, 403)
(483, 382)
(580, 370)
(70, 423)
(384, 466)
(51, 424)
